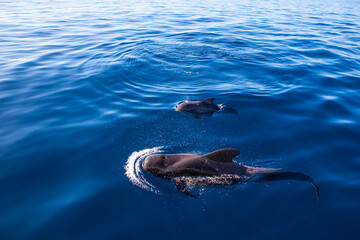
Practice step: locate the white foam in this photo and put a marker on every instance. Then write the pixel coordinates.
(134, 171)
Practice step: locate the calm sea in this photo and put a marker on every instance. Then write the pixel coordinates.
(88, 89)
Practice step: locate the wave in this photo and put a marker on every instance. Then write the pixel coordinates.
(133, 169)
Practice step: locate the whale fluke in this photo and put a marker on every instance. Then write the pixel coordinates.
(275, 175)
(225, 109)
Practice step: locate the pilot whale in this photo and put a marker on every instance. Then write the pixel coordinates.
(215, 168)
(204, 107)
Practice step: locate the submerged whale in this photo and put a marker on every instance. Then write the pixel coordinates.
(204, 107)
(215, 168)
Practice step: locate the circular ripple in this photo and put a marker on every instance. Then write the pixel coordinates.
(152, 68)
(133, 169)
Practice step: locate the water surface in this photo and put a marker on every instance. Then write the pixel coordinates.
(88, 88)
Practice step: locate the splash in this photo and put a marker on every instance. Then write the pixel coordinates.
(225, 179)
(134, 171)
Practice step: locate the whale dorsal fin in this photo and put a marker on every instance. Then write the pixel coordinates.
(208, 100)
(223, 155)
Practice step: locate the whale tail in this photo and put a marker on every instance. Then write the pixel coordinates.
(225, 109)
(274, 175)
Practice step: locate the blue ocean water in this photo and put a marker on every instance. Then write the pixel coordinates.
(88, 89)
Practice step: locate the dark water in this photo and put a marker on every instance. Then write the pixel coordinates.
(88, 88)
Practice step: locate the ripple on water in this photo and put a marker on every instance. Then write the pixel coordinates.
(133, 168)
(151, 68)
(87, 75)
